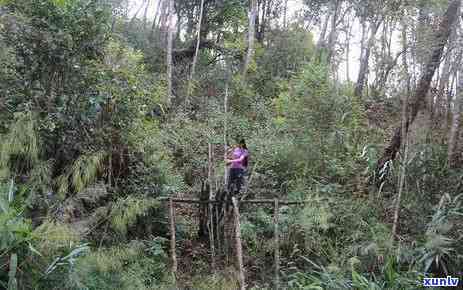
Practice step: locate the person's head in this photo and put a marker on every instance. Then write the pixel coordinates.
(242, 143)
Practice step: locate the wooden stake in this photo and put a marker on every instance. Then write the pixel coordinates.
(277, 244)
(211, 223)
(225, 125)
(239, 250)
(172, 239)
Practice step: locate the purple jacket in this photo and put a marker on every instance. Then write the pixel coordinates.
(239, 155)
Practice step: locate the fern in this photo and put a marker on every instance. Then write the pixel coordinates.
(439, 245)
(126, 211)
(82, 173)
(21, 143)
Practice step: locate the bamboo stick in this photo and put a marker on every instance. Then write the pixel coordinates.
(172, 239)
(277, 244)
(239, 250)
(211, 224)
(225, 126)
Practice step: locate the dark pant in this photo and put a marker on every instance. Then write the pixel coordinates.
(235, 180)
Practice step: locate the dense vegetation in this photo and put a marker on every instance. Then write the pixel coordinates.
(108, 105)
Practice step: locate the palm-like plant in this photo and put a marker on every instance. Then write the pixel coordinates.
(439, 244)
(14, 234)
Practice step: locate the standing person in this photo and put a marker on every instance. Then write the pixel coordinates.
(238, 164)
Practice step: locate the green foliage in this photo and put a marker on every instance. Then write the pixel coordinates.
(15, 230)
(54, 238)
(315, 216)
(83, 102)
(81, 174)
(12, 282)
(441, 245)
(332, 277)
(15, 233)
(20, 148)
(226, 280)
(126, 267)
(126, 212)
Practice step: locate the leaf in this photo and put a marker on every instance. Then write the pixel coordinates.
(12, 282)
(11, 192)
(34, 250)
(52, 266)
(77, 251)
(60, 3)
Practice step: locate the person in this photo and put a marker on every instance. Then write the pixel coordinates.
(238, 162)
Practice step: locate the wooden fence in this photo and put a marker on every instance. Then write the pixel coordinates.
(237, 233)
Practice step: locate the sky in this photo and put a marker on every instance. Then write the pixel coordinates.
(293, 7)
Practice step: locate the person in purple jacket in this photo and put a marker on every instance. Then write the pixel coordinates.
(238, 163)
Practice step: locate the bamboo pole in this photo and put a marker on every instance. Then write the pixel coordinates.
(172, 239)
(225, 127)
(239, 249)
(211, 224)
(277, 244)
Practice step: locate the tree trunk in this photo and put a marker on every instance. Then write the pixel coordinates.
(450, 93)
(198, 41)
(164, 21)
(404, 55)
(170, 42)
(136, 14)
(333, 32)
(403, 131)
(285, 11)
(422, 31)
(263, 22)
(251, 36)
(455, 127)
(348, 36)
(452, 157)
(422, 88)
(155, 19)
(145, 14)
(444, 80)
(364, 62)
(321, 39)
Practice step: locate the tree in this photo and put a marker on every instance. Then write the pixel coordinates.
(251, 36)
(455, 125)
(365, 53)
(198, 40)
(170, 43)
(417, 99)
(452, 157)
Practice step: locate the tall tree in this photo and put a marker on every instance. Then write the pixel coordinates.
(347, 44)
(198, 40)
(136, 13)
(170, 41)
(155, 19)
(416, 101)
(456, 119)
(365, 56)
(251, 36)
(336, 6)
(145, 14)
(321, 40)
(457, 109)
(164, 20)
